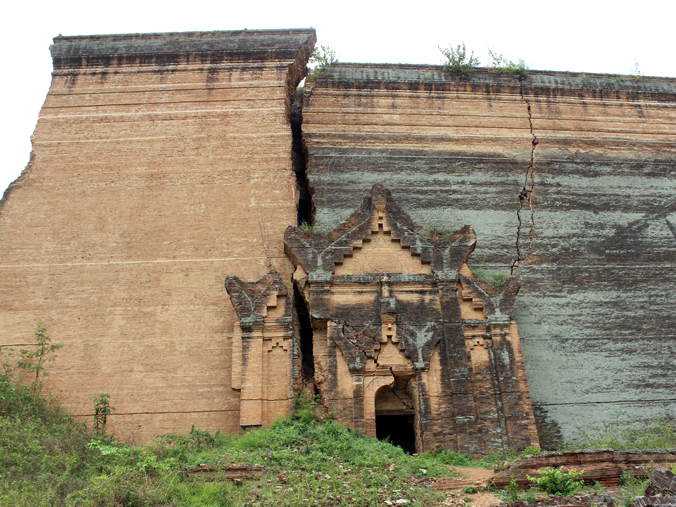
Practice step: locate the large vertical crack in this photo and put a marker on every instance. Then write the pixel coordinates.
(305, 207)
(525, 196)
(304, 215)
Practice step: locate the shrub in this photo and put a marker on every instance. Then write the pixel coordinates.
(490, 277)
(321, 58)
(457, 61)
(312, 230)
(102, 410)
(633, 487)
(512, 491)
(555, 482)
(305, 407)
(500, 64)
(31, 361)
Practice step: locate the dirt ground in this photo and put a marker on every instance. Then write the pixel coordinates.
(454, 488)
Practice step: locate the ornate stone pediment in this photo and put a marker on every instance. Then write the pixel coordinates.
(379, 214)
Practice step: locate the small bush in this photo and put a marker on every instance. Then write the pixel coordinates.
(490, 277)
(312, 230)
(504, 66)
(555, 482)
(448, 457)
(321, 59)
(305, 407)
(102, 410)
(512, 491)
(457, 60)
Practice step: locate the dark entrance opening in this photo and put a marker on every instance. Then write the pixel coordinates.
(398, 428)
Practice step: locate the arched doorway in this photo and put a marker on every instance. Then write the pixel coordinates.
(395, 417)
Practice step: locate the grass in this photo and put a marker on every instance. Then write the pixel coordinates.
(659, 433)
(491, 461)
(306, 459)
(313, 230)
(441, 231)
(46, 458)
(490, 277)
(632, 487)
(502, 65)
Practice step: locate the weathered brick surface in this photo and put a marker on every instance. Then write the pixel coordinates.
(655, 501)
(161, 163)
(575, 169)
(662, 482)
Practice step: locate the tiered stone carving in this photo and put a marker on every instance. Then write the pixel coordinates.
(398, 331)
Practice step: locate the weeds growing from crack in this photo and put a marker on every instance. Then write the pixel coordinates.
(313, 230)
(490, 277)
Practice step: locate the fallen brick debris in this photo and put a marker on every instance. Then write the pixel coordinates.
(662, 482)
(565, 501)
(660, 491)
(604, 466)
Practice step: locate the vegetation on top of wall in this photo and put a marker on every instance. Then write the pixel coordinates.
(457, 61)
(504, 66)
(441, 231)
(490, 277)
(313, 230)
(321, 59)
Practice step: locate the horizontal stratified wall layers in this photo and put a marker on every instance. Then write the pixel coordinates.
(160, 164)
(570, 178)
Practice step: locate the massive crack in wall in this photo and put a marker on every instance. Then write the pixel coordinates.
(161, 163)
(595, 243)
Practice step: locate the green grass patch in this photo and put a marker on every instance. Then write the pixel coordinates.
(48, 459)
(652, 434)
(491, 461)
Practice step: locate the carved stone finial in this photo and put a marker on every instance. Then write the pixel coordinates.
(251, 299)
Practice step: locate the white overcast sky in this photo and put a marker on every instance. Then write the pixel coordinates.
(584, 36)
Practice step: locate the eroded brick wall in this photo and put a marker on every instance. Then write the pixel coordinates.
(568, 178)
(161, 163)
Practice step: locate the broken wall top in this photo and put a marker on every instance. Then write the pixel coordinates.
(172, 48)
(435, 78)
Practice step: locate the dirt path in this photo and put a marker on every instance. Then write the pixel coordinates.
(471, 477)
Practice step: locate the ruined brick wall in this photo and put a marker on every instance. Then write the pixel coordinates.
(568, 179)
(161, 163)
